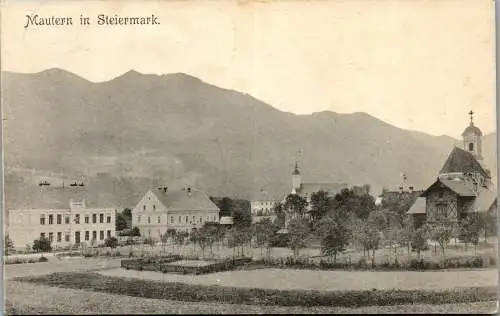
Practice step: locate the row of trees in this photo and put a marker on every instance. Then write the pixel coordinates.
(355, 220)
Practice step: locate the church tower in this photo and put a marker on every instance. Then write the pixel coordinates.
(296, 180)
(472, 139)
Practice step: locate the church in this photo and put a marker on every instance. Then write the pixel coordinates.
(462, 187)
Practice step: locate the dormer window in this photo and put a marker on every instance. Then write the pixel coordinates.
(471, 146)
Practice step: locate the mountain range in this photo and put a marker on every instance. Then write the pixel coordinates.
(138, 131)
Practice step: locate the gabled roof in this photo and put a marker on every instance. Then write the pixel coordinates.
(462, 161)
(418, 207)
(458, 186)
(484, 201)
(184, 200)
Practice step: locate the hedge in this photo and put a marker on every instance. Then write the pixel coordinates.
(254, 296)
(25, 260)
(363, 264)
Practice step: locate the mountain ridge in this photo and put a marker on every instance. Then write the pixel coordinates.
(180, 130)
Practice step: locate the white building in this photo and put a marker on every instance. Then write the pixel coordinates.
(182, 210)
(261, 209)
(63, 215)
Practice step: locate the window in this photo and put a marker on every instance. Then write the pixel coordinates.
(194, 219)
(154, 207)
(187, 219)
(144, 207)
(66, 236)
(87, 235)
(86, 219)
(158, 219)
(42, 235)
(94, 218)
(59, 236)
(51, 219)
(101, 218)
(108, 219)
(109, 234)
(180, 219)
(42, 219)
(66, 219)
(51, 237)
(77, 218)
(208, 218)
(94, 235)
(471, 147)
(200, 219)
(171, 219)
(149, 219)
(101, 235)
(59, 219)
(138, 219)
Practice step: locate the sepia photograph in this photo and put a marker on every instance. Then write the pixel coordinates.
(249, 157)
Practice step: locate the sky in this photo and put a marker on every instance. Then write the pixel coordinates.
(416, 64)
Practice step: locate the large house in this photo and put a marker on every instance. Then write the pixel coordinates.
(261, 209)
(183, 210)
(64, 215)
(462, 187)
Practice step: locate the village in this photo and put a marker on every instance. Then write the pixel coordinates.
(328, 227)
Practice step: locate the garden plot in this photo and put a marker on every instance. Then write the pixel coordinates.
(289, 279)
(192, 263)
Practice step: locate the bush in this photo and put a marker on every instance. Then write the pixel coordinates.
(43, 259)
(111, 242)
(253, 296)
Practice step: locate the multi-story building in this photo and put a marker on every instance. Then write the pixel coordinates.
(64, 216)
(261, 209)
(182, 210)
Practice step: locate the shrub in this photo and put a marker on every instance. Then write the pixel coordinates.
(111, 242)
(43, 259)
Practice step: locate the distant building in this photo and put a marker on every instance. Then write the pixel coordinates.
(462, 187)
(183, 210)
(63, 215)
(261, 209)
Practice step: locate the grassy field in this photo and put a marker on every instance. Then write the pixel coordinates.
(51, 300)
(288, 279)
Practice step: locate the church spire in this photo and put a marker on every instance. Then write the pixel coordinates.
(472, 138)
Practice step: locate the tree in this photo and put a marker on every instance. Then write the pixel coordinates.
(263, 233)
(319, 205)
(334, 236)
(295, 204)
(442, 231)
(470, 227)
(406, 233)
(419, 240)
(8, 245)
(207, 235)
(170, 234)
(349, 202)
(299, 233)
(180, 237)
(135, 232)
(111, 242)
(370, 235)
(127, 213)
(42, 244)
(120, 222)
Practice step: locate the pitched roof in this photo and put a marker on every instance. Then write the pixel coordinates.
(59, 198)
(460, 186)
(462, 161)
(418, 207)
(183, 200)
(484, 201)
(332, 188)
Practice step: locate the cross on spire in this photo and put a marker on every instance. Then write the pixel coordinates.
(471, 113)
